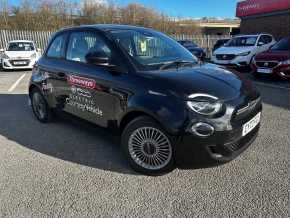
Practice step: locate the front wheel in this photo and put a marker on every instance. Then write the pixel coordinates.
(148, 147)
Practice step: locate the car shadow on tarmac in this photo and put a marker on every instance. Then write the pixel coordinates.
(67, 139)
(73, 140)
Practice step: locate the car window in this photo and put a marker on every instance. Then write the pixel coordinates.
(150, 50)
(56, 48)
(20, 46)
(266, 39)
(282, 45)
(242, 41)
(82, 43)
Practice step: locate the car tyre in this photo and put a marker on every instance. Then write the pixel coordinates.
(148, 147)
(40, 108)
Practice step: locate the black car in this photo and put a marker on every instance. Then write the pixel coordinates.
(168, 108)
(219, 43)
(193, 48)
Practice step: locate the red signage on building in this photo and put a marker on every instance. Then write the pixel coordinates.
(255, 7)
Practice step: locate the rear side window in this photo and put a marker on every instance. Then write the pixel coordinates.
(82, 43)
(56, 47)
(266, 39)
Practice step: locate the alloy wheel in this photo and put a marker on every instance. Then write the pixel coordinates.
(150, 148)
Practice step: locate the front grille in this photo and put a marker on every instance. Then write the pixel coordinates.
(267, 64)
(17, 63)
(245, 112)
(225, 56)
(237, 145)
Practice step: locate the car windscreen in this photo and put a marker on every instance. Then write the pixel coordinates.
(242, 41)
(282, 45)
(222, 41)
(20, 46)
(150, 50)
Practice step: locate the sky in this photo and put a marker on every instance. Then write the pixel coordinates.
(184, 8)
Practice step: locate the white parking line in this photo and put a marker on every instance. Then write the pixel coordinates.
(11, 89)
(271, 86)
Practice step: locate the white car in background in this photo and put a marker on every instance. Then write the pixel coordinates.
(240, 50)
(19, 54)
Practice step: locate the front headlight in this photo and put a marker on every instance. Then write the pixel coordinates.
(244, 53)
(33, 56)
(204, 104)
(287, 62)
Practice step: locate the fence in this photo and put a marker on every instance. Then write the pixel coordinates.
(41, 38)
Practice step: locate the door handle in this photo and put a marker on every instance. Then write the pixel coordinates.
(61, 74)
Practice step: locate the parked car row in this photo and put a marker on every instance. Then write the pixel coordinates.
(259, 52)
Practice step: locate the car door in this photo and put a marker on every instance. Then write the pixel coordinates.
(91, 91)
(52, 68)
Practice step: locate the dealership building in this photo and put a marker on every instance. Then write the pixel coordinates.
(265, 16)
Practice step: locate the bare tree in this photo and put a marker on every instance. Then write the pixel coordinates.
(55, 14)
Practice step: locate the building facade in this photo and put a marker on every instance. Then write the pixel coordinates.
(265, 16)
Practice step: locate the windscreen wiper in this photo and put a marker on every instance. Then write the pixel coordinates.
(177, 63)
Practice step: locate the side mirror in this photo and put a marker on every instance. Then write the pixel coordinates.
(100, 59)
(97, 58)
(261, 43)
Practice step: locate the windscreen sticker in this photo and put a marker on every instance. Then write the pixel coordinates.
(81, 82)
(143, 46)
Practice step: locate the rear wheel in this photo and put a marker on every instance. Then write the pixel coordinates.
(148, 147)
(40, 107)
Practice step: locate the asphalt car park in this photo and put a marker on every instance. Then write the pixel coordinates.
(71, 168)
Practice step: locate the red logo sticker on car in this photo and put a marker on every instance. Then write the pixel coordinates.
(82, 82)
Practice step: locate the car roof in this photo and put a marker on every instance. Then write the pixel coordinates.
(107, 27)
(13, 41)
(252, 35)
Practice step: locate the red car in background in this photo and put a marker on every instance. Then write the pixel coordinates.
(275, 61)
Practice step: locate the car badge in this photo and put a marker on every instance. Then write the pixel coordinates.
(266, 64)
(225, 56)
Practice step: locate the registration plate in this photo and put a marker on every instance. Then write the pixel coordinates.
(19, 62)
(264, 70)
(249, 126)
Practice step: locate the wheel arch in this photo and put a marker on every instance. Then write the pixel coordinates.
(31, 87)
(133, 114)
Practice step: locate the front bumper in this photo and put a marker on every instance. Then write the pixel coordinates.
(221, 147)
(238, 61)
(9, 64)
(282, 71)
